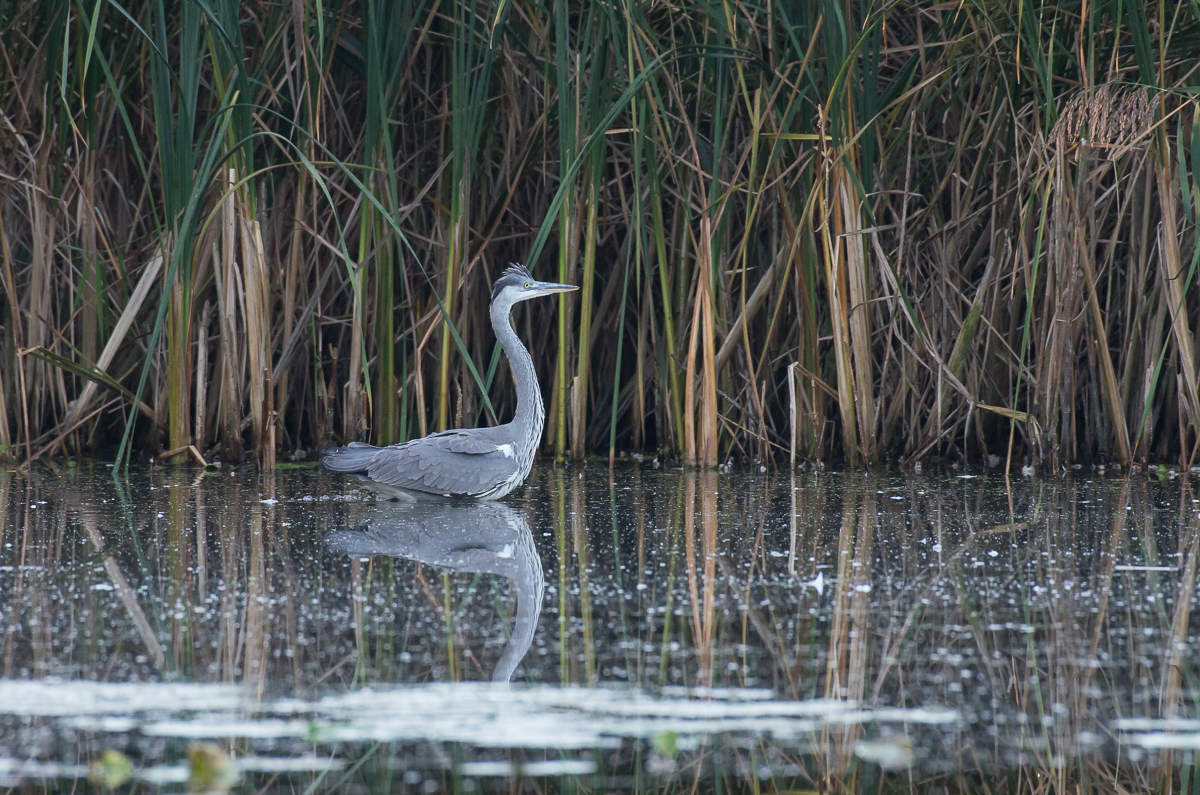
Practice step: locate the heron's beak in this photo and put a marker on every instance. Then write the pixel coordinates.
(549, 288)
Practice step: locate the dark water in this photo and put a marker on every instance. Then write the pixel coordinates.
(661, 630)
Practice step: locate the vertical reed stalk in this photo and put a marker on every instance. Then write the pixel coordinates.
(671, 391)
(385, 344)
(178, 412)
(258, 331)
(568, 225)
(6, 440)
(1175, 278)
(454, 256)
(616, 386)
(707, 455)
(16, 338)
(839, 312)
(231, 362)
(353, 419)
(201, 388)
(90, 276)
(859, 310)
(291, 290)
(590, 109)
(579, 389)
(689, 389)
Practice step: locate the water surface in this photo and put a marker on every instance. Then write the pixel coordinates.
(652, 630)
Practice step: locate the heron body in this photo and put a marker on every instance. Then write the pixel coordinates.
(476, 463)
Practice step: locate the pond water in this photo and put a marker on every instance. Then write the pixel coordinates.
(647, 629)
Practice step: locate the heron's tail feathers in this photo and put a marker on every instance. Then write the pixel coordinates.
(354, 457)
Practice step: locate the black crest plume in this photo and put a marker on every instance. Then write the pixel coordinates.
(515, 274)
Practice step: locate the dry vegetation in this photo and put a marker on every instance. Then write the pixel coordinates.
(810, 228)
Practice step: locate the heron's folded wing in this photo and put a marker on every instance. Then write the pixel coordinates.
(432, 465)
(472, 442)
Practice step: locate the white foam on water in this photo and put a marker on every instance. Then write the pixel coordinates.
(559, 767)
(549, 767)
(930, 716)
(891, 753)
(1156, 724)
(103, 723)
(164, 774)
(54, 697)
(282, 764)
(1189, 741)
(218, 728)
(519, 729)
(499, 769)
(484, 715)
(15, 769)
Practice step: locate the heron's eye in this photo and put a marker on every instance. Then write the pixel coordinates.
(527, 285)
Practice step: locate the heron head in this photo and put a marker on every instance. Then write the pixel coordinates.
(517, 284)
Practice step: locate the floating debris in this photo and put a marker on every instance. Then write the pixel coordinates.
(890, 753)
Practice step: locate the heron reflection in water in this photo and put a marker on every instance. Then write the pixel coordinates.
(478, 463)
(484, 537)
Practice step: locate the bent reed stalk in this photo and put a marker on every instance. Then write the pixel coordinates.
(951, 232)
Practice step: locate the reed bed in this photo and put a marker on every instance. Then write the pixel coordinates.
(805, 230)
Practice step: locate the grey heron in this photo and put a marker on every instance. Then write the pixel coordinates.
(478, 463)
(490, 538)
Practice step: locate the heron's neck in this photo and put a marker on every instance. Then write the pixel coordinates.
(530, 414)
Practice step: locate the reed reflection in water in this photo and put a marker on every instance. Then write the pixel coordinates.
(812, 632)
